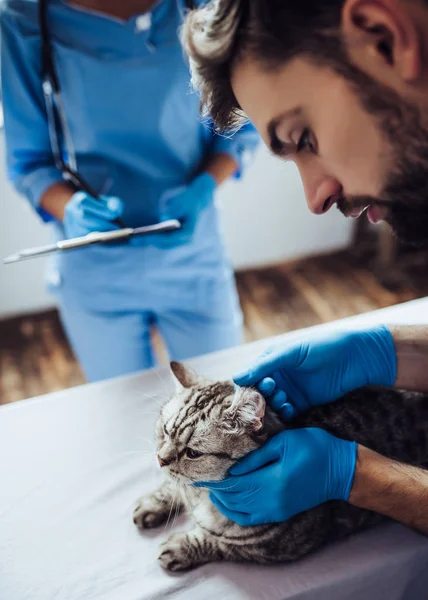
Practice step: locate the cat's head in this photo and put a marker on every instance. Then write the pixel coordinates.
(207, 426)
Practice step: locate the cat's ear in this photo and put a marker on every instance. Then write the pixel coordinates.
(185, 377)
(246, 412)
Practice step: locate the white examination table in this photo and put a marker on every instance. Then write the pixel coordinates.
(73, 463)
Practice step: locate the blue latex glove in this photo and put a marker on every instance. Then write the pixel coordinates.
(84, 214)
(293, 472)
(184, 203)
(296, 376)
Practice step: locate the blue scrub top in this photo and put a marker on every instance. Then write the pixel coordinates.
(133, 120)
(134, 124)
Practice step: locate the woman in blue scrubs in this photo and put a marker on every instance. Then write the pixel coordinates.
(140, 144)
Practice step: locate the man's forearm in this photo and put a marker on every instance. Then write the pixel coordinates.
(221, 166)
(411, 346)
(55, 199)
(392, 489)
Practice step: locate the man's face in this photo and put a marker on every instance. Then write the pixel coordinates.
(350, 149)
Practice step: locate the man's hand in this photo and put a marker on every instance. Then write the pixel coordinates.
(293, 472)
(318, 370)
(84, 214)
(184, 203)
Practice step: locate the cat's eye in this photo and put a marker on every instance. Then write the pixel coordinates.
(190, 453)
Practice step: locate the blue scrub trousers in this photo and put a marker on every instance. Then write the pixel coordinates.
(111, 297)
(112, 344)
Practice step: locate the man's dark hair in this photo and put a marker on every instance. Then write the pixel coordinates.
(270, 31)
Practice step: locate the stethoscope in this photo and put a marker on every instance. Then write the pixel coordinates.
(57, 121)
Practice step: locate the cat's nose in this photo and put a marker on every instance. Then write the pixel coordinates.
(162, 461)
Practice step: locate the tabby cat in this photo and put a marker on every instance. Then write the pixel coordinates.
(207, 426)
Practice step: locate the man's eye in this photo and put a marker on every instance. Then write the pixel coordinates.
(190, 453)
(305, 142)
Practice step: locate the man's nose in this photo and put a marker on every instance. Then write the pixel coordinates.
(321, 193)
(163, 461)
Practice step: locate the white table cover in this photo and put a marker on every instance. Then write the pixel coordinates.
(73, 463)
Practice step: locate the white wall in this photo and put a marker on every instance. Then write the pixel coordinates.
(265, 217)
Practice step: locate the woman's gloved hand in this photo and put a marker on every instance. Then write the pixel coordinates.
(319, 370)
(84, 214)
(184, 203)
(293, 472)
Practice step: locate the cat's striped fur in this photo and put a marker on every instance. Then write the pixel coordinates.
(209, 418)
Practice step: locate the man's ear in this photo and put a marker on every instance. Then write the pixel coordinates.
(382, 38)
(184, 377)
(246, 413)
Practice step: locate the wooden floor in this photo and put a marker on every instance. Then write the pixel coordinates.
(35, 357)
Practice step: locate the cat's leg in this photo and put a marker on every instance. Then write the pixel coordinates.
(155, 509)
(189, 549)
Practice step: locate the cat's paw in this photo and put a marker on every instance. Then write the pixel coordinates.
(177, 553)
(148, 514)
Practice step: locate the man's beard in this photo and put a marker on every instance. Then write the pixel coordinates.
(405, 192)
(405, 198)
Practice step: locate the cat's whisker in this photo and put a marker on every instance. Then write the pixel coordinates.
(198, 492)
(155, 398)
(189, 546)
(155, 395)
(167, 493)
(145, 453)
(186, 491)
(141, 441)
(159, 399)
(162, 381)
(177, 509)
(177, 506)
(223, 489)
(172, 506)
(151, 413)
(150, 398)
(169, 515)
(150, 442)
(147, 448)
